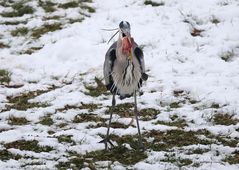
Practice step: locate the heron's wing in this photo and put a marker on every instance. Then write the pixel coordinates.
(140, 56)
(110, 57)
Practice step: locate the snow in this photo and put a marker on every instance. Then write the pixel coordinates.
(174, 60)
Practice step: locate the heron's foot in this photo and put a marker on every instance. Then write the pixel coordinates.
(106, 141)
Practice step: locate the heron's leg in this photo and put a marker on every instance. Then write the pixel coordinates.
(107, 140)
(137, 121)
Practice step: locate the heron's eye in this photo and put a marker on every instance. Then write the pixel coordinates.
(123, 34)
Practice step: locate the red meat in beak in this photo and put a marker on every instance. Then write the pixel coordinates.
(127, 45)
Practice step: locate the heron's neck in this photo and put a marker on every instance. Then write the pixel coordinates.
(120, 55)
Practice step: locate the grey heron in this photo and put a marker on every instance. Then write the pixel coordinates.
(124, 71)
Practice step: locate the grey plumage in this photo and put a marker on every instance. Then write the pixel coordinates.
(124, 71)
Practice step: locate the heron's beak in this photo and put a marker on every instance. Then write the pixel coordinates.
(128, 36)
(131, 55)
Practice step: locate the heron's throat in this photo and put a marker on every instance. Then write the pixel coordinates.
(126, 46)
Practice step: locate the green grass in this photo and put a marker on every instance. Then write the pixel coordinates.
(196, 32)
(20, 31)
(88, 8)
(48, 6)
(71, 21)
(21, 102)
(227, 141)
(215, 20)
(30, 145)
(75, 161)
(215, 106)
(32, 50)
(180, 123)
(51, 132)
(65, 139)
(6, 3)
(174, 117)
(5, 77)
(89, 106)
(183, 94)
(31, 164)
(227, 56)
(97, 90)
(176, 160)
(164, 141)
(224, 119)
(4, 129)
(71, 4)
(19, 9)
(175, 105)
(62, 125)
(87, 118)
(67, 107)
(14, 22)
(46, 120)
(2, 45)
(153, 3)
(37, 33)
(217, 139)
(233, 158)
(12, 120)
(55, 17)
(148, 114)
(119, 153)
(199, 151)
(6, 155)
(132, 140)
(193, 101)
(178, 93)
(224, 3)
(114, 125)
(123, 110)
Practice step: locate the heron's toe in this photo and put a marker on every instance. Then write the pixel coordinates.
(106, 141)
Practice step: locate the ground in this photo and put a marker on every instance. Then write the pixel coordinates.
(54, 107)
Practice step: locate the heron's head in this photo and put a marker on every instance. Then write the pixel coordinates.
(125, 37)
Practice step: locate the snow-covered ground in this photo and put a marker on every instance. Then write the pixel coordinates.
(191, 51)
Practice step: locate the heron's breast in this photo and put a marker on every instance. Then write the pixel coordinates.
(126, 77)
